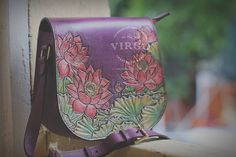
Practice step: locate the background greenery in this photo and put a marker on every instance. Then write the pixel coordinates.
(196, 30)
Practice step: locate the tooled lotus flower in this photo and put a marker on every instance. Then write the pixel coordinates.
(142, 71)
(144, 36)
(119, 87)
(89, 92)
(71, 54)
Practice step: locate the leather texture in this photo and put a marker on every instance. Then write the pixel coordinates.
(46, 107)
(109, 75)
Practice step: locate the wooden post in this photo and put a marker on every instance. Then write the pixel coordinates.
(6, 126)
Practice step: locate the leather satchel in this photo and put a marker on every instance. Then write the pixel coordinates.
(97, 79)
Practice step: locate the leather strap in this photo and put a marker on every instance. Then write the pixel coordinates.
(111, 143)
(35, 118)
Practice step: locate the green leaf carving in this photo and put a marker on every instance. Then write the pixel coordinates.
(158, 93)
(154, 50)
(60, 86)
(125, 125)
(104, 130)
(69, 117)
(102, 117)
(128, 90)
(129, 109)
(152, 114)
(62, 83)
(85, 128)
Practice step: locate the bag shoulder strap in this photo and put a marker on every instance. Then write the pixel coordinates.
(35, 118)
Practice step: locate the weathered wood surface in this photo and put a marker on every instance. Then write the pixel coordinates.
(162, 148)
(6, 126)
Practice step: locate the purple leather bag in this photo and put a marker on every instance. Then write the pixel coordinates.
(97, 79)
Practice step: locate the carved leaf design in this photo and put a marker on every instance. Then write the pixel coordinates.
(129, 109)
(69, 117)
(154, 50)
(104, 130)
(152, 114)
(85, 128)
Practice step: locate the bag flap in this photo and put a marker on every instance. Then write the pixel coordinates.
(109, 75)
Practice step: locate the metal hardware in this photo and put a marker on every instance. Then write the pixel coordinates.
(146, 137)
(42, 53)
(48, 52)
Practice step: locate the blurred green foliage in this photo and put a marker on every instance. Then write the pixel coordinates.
(195, 31)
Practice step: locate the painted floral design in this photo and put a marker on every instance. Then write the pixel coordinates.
(130, 108)
(91, 103)
(71, 54)
(89, 92)
(119, 87)
(142, 71)
(144, 36)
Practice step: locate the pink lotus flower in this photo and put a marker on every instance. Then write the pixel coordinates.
(119, 87)
(142, 71)
(70, 54)
(89, 92)
(145, 36)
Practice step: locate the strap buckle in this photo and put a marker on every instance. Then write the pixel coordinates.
(42, 53)
(145, 137)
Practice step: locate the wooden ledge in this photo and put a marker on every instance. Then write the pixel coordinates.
(167, 148)
(162, 148)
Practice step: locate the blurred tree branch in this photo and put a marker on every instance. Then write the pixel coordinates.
(195, 31)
